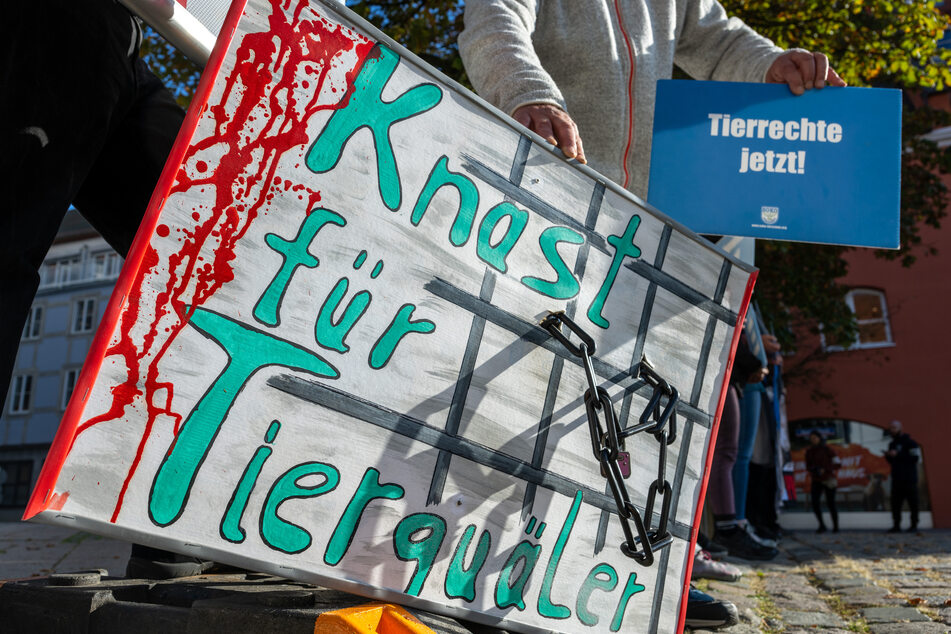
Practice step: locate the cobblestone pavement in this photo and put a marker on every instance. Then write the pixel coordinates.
(853, 581)
(33, 550)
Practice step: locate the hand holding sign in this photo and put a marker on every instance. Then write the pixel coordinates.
(802, 70)
(554, 125)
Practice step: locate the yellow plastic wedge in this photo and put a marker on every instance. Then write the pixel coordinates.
(382, 618)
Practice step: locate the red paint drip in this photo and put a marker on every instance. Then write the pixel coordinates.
(261, 87)
(58, 500)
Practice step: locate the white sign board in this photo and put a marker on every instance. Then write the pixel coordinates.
(323, 358)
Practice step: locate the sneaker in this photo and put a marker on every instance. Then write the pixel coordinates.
(740, 544)
(703, 611)
(772, 531)
(821, 528)
(705, 568)
(714, 549)
(762, 541)
(894, 529)
(153, 563)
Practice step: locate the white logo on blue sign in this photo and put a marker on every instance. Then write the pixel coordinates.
(769, 214)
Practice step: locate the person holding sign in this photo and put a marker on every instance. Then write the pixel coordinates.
(571, 70)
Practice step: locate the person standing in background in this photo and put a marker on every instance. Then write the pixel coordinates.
(822, 464)
(765, 347)
(903, 454)
(720, 495)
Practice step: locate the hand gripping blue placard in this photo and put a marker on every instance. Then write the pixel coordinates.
(755, 160)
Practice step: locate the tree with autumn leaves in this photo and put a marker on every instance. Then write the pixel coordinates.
(879, 43)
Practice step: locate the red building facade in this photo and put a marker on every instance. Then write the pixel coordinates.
(901, 367)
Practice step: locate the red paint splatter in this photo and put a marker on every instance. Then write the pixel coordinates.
(261, 86)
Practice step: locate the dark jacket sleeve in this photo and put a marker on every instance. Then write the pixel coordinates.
(907, 450)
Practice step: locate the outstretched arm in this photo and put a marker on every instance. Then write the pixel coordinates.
(715, 46)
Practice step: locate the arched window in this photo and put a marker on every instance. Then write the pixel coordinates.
(871, 316)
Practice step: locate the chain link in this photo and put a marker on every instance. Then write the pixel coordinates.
(607, 442)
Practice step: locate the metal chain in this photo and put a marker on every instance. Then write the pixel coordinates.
(607, 443)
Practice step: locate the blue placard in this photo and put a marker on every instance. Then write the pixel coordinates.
(755, 160)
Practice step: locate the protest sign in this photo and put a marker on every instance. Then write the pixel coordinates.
(324, 356)
(755, 160)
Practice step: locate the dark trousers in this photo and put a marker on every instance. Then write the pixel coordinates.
(720, 487)
(904, 490)
(761, 496)
(818, 489)
(82, 121)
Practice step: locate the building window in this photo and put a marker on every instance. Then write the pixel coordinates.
(34, 323)
(69, 384)
(871, 316)
(64, 271)
(15, 477)
(21, 396)
(871, 313)
(105, 266)
(84, 315)
(80, 269)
